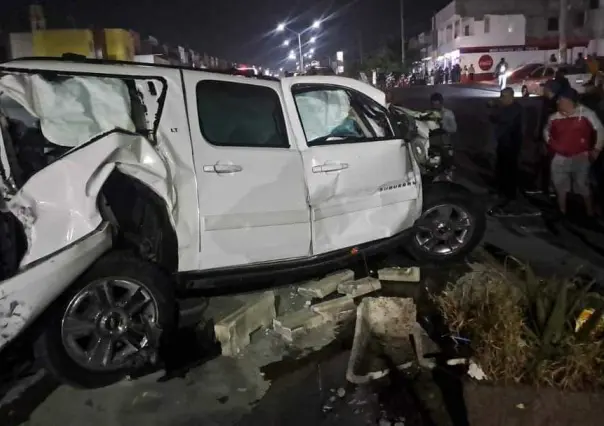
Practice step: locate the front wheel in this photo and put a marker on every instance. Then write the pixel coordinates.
(108, 323)
(452, 224)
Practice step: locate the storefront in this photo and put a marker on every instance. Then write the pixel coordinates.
(485, 59)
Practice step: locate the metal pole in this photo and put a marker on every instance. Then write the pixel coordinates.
(300, 51)
(562, 46)
(402, 34)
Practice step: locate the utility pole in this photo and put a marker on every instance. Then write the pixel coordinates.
(402, 34)
(562, 31)
(361, 47)
(300, 52)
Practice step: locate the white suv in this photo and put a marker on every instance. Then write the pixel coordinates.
(137, 183)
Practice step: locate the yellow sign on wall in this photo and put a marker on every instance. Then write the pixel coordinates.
(57, 42)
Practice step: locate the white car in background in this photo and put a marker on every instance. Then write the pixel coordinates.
(532, 84)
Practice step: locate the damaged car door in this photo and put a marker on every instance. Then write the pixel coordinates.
(362, 181)
(252, 194)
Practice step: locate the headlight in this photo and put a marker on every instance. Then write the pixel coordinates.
(508, 74)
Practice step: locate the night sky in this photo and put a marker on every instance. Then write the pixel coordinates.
(237, 30)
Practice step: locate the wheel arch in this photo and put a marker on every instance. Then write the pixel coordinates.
(141, 218)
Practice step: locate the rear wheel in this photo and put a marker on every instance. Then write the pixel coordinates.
(452, 224)
(108, 323)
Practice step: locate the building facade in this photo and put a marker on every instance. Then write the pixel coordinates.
(480, 32)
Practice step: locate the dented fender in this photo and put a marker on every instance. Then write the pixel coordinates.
(26, 295)
(58, 205)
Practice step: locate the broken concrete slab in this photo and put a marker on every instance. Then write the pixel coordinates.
(336, 310)
(360, 287)
(400, 274)
(324, 287)
(233, 330)
(291, 325)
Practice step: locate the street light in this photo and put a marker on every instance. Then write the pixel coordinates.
(312, 39)
(282, 27)
(286, 43)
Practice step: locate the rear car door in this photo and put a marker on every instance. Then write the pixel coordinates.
(363, 185)
(252, 194)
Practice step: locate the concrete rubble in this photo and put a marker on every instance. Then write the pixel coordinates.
(411, 275)
(360, 287)
(233, 330)
(320, 289)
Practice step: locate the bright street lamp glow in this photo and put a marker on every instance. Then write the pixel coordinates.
(281, 69)
(291, 52)
(286, 43)
(312, 40)
(280, 27)
(291, 56)
(316, 24)
(311, 51)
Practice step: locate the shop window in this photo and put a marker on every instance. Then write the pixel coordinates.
(466, 30)
(487, 25)
(594, 4)
(579, 19)
(552, 24)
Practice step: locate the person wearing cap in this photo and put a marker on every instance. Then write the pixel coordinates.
(508, 119)
(569, 134)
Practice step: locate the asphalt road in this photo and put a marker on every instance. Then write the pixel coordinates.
(259, 388)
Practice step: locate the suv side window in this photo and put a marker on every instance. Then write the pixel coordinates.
(332, 115)
(240, 115)
(549, 72)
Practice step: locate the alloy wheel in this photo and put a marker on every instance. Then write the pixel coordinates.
(108, 322)
(444, 230)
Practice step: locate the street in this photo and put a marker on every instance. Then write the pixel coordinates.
(308, 386)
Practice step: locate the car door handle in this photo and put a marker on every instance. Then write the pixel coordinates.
(329, 167)
(222, 168)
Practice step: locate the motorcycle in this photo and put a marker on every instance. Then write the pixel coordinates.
(430, 145)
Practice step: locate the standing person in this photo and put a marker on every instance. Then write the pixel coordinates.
(593, 65)
(580, 61)
(560, 78)
(464, 74)
(544, 155)
(471, 72)
(502, 69)
(569, 133)
(509, 132)
(447, 74)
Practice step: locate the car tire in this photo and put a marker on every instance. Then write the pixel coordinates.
(524, 92)
(56, 348)
(456, 235)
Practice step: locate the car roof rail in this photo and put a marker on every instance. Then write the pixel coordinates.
(76, 58)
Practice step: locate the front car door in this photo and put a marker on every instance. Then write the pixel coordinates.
(363, 185)
(534, 80)
(252, 195)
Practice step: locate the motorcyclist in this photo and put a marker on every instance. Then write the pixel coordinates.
(441, 139)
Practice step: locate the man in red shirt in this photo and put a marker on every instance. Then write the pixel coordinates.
(575, 135)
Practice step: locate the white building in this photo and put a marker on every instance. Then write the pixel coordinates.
(520, 31)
